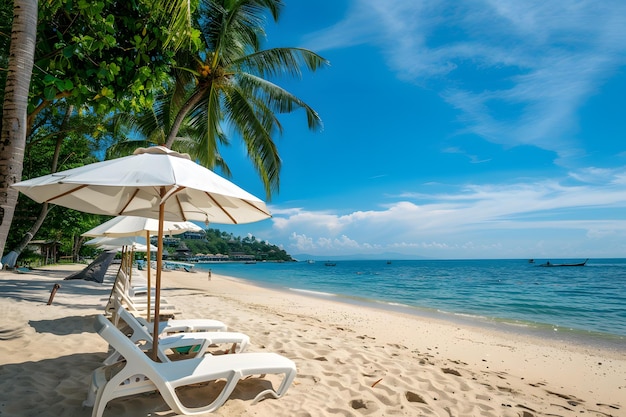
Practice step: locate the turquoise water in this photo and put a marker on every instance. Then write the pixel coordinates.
(580, 303)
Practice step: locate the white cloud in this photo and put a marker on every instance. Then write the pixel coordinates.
(474, 222)
(302, 243)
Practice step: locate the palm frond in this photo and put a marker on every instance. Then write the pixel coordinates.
(125, 148)
(281, 61)
(225, 87)
(235, 28)
(178, 14)
(205, 119)
(244, 117)
(278, 99)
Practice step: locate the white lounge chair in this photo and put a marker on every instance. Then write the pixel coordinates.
(171, 325)
(185, 325)
(140, 374)
(135, 296)
(136, 306)
(194, 344)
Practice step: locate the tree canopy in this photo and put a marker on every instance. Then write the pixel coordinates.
(180, 73)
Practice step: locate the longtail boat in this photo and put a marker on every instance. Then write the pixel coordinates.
(548, 264)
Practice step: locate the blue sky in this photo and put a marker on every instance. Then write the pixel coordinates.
(452, 130)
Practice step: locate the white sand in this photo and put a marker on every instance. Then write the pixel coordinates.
(352, 361)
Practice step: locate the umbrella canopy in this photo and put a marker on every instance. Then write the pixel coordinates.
(137, 185)
(139, 226)
(137, 244)
(153, 182)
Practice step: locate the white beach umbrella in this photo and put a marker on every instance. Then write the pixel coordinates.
(153, 182)
(141, 184)
(136, 243)
(122, 226)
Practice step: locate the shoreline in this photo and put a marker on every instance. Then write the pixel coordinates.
(570, 303)
(612, 342)
(352, 361)
(541, 331)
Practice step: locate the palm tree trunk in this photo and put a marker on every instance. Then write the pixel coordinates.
(13, 134)
(44, 208)
(193, 100)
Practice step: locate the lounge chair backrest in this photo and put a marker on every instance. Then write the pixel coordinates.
(123, 297)
(140, 333)
(117, 302)
(125, 347)
(143, 322)
(122, 280)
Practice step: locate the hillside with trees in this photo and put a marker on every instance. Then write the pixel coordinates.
(216, 243)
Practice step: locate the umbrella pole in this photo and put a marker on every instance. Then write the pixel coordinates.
(148, 266)
(129, 264)
(125, 257)
(123, 268)
(157, 291)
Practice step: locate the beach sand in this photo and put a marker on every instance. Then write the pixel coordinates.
(352, 361)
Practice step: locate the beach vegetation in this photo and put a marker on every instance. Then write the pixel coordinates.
(224, 87)
(188, 74)
(53, 146)
(85, 55)
(223, 243)
(227, 83)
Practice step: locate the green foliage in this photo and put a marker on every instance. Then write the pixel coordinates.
(219, 86)
(77, 148)
(106, 54)
(225, 85)
(217, 242)
(106, 58)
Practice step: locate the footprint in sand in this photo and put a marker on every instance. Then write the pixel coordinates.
(365, 407)
(451, 371)
(414, 398)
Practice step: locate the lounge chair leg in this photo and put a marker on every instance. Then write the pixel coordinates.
(264, 394)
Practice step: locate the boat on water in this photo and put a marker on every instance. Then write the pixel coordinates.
(331, 264)
(549, 264)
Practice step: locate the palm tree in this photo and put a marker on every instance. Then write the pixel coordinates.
(152, 127)
(19, 71)
(227, 81)
(13, 135)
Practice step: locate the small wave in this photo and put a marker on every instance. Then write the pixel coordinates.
(497, 320)
(325, 294)
(390, 303)
(467, 315)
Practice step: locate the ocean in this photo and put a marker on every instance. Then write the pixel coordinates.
(578, 304)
